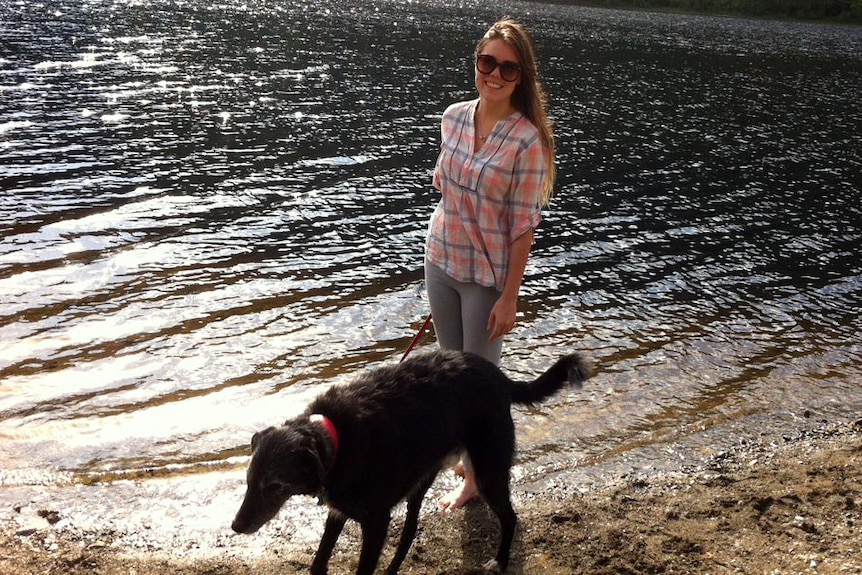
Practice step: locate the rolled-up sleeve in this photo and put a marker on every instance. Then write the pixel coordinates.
(525, 200)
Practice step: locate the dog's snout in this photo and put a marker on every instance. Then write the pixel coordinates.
(249, 519)
(241, 522)
(243, 525)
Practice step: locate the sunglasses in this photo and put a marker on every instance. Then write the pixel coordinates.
(486, 64)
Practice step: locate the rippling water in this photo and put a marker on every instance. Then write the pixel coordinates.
(213, 210)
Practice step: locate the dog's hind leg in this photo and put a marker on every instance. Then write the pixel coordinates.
(491, 464)
(411, 522)
(374, 530)
(495, 491)
(502, 507)
(334, 524)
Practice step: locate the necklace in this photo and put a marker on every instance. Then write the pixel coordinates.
(484, 121)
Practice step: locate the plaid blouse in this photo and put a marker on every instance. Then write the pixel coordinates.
(490, 198)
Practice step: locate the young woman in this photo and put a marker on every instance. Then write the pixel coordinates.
(495, 171)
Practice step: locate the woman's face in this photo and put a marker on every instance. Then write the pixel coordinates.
(492, 87)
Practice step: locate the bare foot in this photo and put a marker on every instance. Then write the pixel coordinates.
(460, 496)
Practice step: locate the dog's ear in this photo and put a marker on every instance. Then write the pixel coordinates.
(255, 439)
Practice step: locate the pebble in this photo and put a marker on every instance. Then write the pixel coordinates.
(26, 531)
(30, 525)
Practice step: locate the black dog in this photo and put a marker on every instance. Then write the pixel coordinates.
(364, 447)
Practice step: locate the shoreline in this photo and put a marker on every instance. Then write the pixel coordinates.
(846, 18)
(786, 505)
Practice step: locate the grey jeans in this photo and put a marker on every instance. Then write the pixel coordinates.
(461, 311)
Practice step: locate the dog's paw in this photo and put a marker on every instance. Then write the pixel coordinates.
(492, 567)
(317, 569)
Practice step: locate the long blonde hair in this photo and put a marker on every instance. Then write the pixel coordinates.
(529, 96)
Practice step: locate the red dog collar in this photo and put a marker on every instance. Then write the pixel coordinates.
(330, 429)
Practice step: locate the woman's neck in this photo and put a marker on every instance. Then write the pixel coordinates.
(493, 112)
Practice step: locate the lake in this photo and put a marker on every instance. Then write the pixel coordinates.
(212, 211)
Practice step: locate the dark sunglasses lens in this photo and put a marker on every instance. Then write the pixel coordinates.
(509, 71)
(485, 64)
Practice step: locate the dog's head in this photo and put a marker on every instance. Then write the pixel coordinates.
(284, 463)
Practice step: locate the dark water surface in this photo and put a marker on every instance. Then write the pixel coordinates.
(213, 210)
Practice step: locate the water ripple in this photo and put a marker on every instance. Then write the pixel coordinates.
(212, 211)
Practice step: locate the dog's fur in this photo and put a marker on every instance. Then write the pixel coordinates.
(396, 425)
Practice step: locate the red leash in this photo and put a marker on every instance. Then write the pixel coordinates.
(422, 331)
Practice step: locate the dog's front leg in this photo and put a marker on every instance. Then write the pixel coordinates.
(373, 537)
(334, 524)
(411, 522)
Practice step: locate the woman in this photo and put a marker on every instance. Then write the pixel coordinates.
(495, 171)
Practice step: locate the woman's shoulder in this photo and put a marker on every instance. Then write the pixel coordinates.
(459, 109)
(522, 129)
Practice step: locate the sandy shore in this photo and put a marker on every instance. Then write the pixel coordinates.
(792, 505)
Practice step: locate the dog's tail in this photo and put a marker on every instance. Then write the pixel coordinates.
(571, 369)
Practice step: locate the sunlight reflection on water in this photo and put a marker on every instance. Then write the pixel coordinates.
(212, 212)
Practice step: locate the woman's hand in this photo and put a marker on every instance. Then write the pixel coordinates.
(502, 318)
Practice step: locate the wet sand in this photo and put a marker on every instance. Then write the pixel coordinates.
(785, 504)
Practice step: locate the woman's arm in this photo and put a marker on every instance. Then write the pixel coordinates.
(502, 318)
